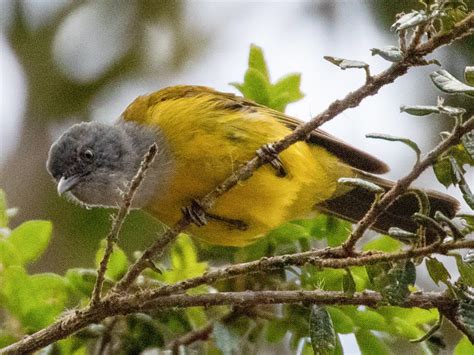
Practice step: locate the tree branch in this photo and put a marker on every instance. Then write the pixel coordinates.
(119, 218)
(353, 99)
(116, 303)
(402, 185)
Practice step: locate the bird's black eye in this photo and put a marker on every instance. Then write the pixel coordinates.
(88, 155)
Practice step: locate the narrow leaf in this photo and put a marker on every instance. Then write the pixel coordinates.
(406, 141)
(346, 63)
(444, 81)
(321, 331)
(419, 110)
(403, 235)
(364, 184)
(390, 53)
(409, 20)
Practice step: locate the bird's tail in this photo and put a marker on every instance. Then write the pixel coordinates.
(353, 205)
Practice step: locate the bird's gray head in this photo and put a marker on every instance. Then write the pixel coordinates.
(93, 162)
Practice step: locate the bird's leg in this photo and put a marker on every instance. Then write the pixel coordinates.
(195, 213)
(232, 223)
(200, 218)
(268, 153)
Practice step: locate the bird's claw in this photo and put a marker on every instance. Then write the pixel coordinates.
(268, 153)
(195, 213)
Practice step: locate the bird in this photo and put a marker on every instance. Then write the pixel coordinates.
(202, 137)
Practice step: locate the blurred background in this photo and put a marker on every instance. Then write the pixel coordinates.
(62, 62)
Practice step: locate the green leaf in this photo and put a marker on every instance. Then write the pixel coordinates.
(35, 300)
(464, 347)
(465, 270)
(348, 283)
(383, 243)
(321, 331)
(437, 271)
(257, 61)
(118, 262)
(469, 75)
(184, 262)
(390, 53)
(343, 324)
(444, 81)
(289, 84)
(406, 141)
(337, 231)
(31, 239)
(276, 330)
(256, 86)
(443, 171)
(226, 340)
(9, 255)
(364, 184)
(419, 110)
(346, 63)
(369, 344)
(82, 280)
(366, 318)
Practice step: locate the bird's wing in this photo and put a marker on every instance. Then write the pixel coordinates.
(347, 153)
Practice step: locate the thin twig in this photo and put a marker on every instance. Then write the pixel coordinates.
(119, 218)
(402, 185)
(114, 303)
(353, 99)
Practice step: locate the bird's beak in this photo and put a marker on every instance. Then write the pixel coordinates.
(67, 183)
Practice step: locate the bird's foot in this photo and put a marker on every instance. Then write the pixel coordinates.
(200, 218)
(232, 223)
(268, 153)
(195, 213)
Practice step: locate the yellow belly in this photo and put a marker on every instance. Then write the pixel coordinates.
(208, 146)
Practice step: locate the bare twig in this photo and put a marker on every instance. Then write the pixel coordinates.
(353, 99)
(114, 304)
(119, 218)
(402, 185)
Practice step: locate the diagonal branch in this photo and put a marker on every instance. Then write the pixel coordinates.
(353, 99)
(116, 303)
(402, 185)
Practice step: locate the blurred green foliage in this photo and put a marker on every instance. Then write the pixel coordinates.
(30, 301)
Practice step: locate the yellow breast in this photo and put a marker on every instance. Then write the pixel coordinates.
(208, 142)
